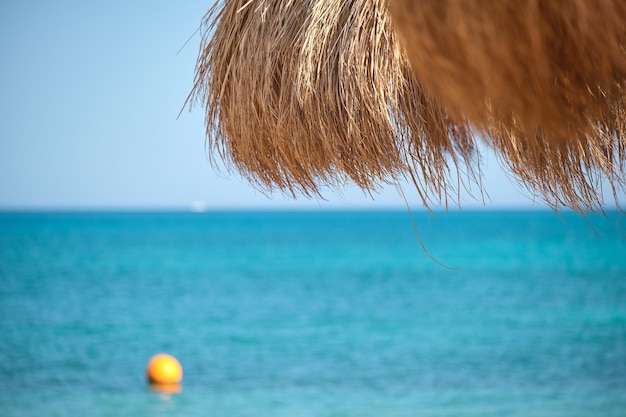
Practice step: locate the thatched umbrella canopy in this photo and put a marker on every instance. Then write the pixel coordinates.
(300, 93)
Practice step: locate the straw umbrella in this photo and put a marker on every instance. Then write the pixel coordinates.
(303, 93)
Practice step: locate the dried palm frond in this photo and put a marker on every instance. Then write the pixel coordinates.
(545, 81)
(300, 93)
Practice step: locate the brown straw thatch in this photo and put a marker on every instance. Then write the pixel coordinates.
(300, 93)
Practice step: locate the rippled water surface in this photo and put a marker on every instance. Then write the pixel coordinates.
(324, 314)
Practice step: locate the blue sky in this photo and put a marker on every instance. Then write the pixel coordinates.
(90, 92)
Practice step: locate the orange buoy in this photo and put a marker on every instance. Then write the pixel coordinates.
(164, 369)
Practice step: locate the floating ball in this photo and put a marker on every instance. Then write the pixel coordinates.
(164, 369)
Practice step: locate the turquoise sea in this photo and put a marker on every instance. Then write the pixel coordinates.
(314, 314)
